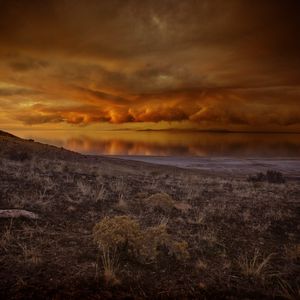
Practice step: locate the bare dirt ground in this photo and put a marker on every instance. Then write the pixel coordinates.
(240, 237)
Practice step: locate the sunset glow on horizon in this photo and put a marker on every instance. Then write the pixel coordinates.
(102, 65)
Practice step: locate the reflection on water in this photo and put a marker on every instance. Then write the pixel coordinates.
(171, 143)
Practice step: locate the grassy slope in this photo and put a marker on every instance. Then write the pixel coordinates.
(233, 226)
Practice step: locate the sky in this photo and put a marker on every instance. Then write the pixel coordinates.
(132, 64)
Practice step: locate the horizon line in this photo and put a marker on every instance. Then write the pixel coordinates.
(164, 130)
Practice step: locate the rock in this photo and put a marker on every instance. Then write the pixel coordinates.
(182, 206)
(17, 213)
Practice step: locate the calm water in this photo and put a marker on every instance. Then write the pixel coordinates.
(171, 143)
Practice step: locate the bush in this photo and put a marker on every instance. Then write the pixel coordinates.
(160, 201)
(270, 176)
(275, 177)
(123, 233)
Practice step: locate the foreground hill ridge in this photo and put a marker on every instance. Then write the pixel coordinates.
(35, 148)
(4, 133)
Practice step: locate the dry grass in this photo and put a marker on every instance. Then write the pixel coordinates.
(99, 193)
(287, 291)
(17, 201)
(124, 233)
(160, 201)
(119, 185)
(110, 267)
(84, 188)
(255, 265)
(122, 204)
(30, 255)
(206, 235)
(7, 236)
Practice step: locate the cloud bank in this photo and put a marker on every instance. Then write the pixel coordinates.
(209, 64)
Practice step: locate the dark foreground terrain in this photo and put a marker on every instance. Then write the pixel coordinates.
(184, 233)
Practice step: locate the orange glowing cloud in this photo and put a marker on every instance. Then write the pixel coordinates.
(197, 64)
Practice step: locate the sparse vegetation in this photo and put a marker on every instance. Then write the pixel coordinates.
(6, 237)
(122, 233)
(160, 231)
(255, 266)
(270, 176)
(289, 292)
(110, 267)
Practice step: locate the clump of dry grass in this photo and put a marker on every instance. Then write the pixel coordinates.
(110, 263)
(99, 193)
(119, 185)
(122, 204)
(84, 188)
(255, 266)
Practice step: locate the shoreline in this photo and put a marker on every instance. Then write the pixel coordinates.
(242, 165)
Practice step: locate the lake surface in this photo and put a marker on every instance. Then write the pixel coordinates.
(171, 143)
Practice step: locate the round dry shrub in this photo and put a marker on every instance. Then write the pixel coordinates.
(124, 233)
(153, 237)
(117, 232)
(160, 201)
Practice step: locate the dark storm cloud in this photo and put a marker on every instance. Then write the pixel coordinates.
(23, 65)
(210, 62)
(31, 119)
(8, 92)
(104, 96)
